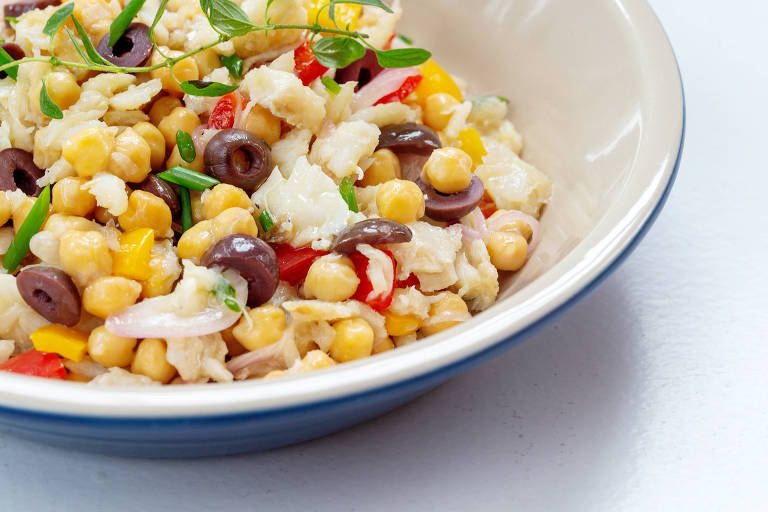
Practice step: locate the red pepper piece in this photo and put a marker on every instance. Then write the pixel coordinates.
(405, 90)
(294, 263)
(487, 206)
(224, 112)
(307, 68)
(411, 281)
(365, 289)
(36, 364)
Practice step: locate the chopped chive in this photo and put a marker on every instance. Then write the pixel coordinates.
(234, 64)
(187, 178)
(186, 210)
(119, 26)
(224, 291)
(503, 99)
(30, 226)
(11, 20)
(331, 85)
(405, 39)
(265, 219)
(13, 71)
(347, 190)
(47, 106)
(186, 146)
(232, 305)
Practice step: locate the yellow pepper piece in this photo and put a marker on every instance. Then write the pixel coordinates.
(435, 81)
(132, 260)
(471, 143)
(57, 339)
(346, 14)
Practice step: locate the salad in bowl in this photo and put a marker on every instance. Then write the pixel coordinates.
(218, 191)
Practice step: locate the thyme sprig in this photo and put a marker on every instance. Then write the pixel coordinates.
(337, 46)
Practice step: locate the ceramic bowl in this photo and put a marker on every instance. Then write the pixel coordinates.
(594, 88)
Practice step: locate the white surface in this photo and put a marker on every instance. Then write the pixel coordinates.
(650, 395)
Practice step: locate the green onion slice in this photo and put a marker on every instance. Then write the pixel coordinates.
(32, 224)
(347, 190)
(186, 210)
(187, 178)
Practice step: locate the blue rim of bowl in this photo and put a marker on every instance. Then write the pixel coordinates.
(423, 381)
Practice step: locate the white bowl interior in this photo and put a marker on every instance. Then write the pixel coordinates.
(594, 89)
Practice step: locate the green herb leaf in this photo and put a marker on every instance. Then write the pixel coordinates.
(30, 226)
(374, 3)
(13, 71)
(265, 219)
(234, 64)
(331, 85)
(338, 52)
(88, 45)
(186, 146)
(402, 57)
(118, 27)
(58, 18)
(479, 99)
(186, 210)
(47, 106)
(227, 17)
(347, 190)
(187, 178)
(226, 294)
(209, 89)
(407, 40)
(11, 20)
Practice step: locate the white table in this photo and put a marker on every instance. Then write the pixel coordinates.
(650, 395)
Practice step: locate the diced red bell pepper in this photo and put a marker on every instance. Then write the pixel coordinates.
(36, 364)
(294, 263)
(411, 281)
(308, 69)
(405, 90)
(487, 206)
(224, 112)
(365, 290)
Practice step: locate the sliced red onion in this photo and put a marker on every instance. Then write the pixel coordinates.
(201, 136)
(385, 83)
(158, 317)
(499, 221)
(261, 356)
(411, 165)
(473, 226)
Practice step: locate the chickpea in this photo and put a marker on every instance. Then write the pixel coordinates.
(438, 110)
(207, 61)
(266, 326)
(67, 197)
(180, 118)
(449, 170)
(62, 88)
(131, 158)
(85, 256)
(384, 346)
(331, 278)
(234, 221)
(108, 295)
(353, 340)
(385, 167)
(163, 274)
(315, 360)
(184, 70)
(514, 226)
(223, 197)
(401, 325)
(150, 360)
(110, 350)
(198, 164)
(401, 201)
(449, 306)
(89, 150)
(146, 210)
(21, 212)
(60, 223)
(156, 141)
(103, 216)
(196, 240)
(6, 210)
(508, 250)
(263, 124)
(162, 108)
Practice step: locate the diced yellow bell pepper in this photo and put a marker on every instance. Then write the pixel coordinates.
(346, 14)
(435, 81)
(57, 339)
(471, 143)
(132, 260)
